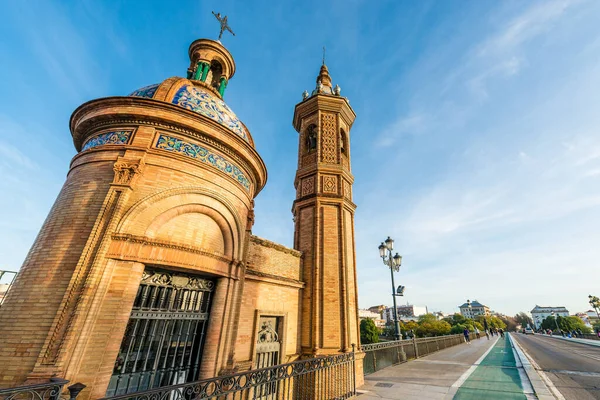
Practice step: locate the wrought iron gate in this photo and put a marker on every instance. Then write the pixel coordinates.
(163, 341)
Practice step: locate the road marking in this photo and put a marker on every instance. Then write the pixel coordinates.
(541, 373)
(468, 372)
(580, 373)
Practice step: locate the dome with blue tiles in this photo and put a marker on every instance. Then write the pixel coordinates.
(201, 100)
(211, 68)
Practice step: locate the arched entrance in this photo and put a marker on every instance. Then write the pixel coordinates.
(164, 337)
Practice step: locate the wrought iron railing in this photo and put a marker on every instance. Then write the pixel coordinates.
(328, 377)
(384, 354)
(44, 391)
(5, 287)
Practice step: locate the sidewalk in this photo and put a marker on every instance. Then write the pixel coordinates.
(430, 377)
(482, 370)
(590, 342)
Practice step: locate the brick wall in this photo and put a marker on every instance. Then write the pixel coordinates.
(272, 288)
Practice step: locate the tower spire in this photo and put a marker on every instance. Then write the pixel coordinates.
(324, 77)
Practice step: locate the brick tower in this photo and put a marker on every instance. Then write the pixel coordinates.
(324, 220)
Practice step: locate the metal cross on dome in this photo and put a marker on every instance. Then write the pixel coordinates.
(224, 25)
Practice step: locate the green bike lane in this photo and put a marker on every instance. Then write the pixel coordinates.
(496, 376)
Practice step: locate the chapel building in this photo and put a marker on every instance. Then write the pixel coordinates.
(146, 273)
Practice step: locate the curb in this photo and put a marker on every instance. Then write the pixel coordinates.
(538, 384)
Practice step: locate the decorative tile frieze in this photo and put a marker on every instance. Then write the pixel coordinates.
(204, 155)
(112, 137)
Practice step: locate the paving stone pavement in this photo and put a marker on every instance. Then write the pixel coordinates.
(430, 377)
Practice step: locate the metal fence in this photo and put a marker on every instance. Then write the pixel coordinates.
(44, 391)
(330, 377)
(385, 354)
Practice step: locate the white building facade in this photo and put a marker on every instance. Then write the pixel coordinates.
(539, 314)
(407, 312)
(366, 314)
(475, 309)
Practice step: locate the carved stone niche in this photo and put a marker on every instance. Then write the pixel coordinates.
(269, 340)
(127, 170)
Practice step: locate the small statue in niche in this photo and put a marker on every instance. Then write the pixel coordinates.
(311, 138)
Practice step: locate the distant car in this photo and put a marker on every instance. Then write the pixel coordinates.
(529, 331)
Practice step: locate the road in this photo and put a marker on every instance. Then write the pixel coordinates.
(573, 368)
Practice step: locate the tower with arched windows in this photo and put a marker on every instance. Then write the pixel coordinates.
(324, 220)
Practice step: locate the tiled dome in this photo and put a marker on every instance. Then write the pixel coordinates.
(202, 101)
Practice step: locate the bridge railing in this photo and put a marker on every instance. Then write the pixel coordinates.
(327, 377)
(384, 354)
(44, 391)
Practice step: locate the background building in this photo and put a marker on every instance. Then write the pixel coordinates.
(405, 311)
(476, 309)
(538, 314)
(380, 309)
(375, 317)
(592, 317)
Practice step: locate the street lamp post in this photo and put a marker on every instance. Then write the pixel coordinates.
(595, 302)
(556, 322)
(393, 262)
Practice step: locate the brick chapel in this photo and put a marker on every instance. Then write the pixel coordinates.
(146, 273)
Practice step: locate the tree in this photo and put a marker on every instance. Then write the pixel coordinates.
(523, 319)
(456, 329)
(549, 323)
(509, 322)
(455, 319)
(369, 333)
(574, 323)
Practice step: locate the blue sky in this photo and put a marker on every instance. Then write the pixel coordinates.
(476, 146)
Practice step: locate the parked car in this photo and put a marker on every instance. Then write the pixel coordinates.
(529, 331)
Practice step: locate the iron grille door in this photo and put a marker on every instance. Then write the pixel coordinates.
(268, 346)
(163, 340)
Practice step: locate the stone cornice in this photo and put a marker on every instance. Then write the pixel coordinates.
(324, 103)
(280, 280)
(168, 245)
(267, 243)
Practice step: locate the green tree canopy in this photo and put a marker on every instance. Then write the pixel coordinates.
(523, 319)
(369, 333)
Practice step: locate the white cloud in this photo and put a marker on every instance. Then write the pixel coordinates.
(412, 124)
